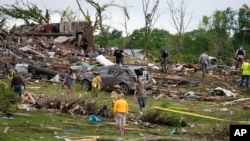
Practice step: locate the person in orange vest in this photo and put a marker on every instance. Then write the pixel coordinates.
(245, 68)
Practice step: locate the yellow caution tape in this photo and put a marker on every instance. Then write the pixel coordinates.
(197, 115)
(237, 100)
(228, 102)
(180, 108)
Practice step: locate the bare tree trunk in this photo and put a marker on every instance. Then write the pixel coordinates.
(150, 18)
(178, 15)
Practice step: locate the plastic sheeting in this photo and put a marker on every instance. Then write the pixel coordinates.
(22, 68)
(94, 118)
(104, 61)
(224, 91)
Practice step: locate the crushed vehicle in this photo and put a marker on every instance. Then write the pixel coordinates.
(124, 75)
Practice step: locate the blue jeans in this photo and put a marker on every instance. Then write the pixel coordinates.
(142, 101)
(18, 90)
(243, 77)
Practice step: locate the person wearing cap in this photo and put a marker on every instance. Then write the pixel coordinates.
(120, 110)
(96, 83)
(16, 84)
(240, 55)
(116, 91)
(69, 81)
(140, 92)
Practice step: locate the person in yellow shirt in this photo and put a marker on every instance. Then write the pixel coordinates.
(114, 94)
(245, 67)
(96, 84)
(120, 110)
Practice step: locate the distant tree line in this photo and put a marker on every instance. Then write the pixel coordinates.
(220, 34)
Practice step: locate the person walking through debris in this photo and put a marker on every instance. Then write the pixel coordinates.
(140, 92)
(239, 56)
(16, 84)
(245, 73)
(69, 81)
(119, 56)
(120, 110)
(116, 91)
(96, 83)
(204, 63)
(164, 56)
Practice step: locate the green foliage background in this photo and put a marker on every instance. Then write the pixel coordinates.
(8, 99)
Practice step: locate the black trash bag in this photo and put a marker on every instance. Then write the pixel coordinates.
(104, 112)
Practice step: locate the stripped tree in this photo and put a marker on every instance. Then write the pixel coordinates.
(180, 21)
(151, 17)
(99, 17)
(125, 24)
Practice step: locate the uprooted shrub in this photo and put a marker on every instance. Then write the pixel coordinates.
(8, 99)
(157, 117)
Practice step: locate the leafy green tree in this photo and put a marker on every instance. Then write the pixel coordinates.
(137, 39)
(115, 38)
(218, 31)
(157, 39)
(8, 99)
(32, 14)
(241, 36)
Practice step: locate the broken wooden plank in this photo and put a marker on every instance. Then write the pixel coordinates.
(46, 34)
(6, 129)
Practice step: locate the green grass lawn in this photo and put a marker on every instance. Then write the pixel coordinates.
(43, 125)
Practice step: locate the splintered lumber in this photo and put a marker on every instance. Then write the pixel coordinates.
(171, 78)
(6, 129)
(31, 97)
(161, 139)
(40, 70)
(88, 138)
(36, 53)
(215, 98)
(47, 34)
